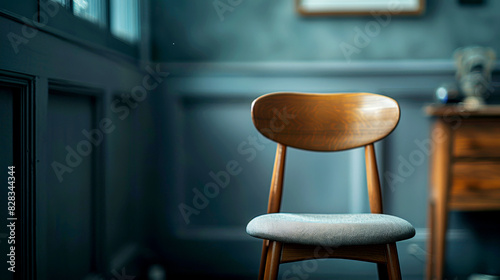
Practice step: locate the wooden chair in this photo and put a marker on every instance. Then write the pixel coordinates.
(327, 122)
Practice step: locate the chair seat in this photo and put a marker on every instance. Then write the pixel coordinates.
(330, 229)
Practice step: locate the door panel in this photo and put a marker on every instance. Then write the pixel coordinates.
(70, 182)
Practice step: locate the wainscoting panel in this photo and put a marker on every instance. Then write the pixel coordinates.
(92, 217)
(72, 184)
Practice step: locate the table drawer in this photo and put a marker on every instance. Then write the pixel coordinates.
(477, 138)
(476, 179)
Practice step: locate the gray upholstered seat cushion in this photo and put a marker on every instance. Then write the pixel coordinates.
(330, 229)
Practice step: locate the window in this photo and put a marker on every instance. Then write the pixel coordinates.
(125, 19)
(123, 22)
(91, 10)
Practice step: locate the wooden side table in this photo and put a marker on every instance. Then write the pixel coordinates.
(465, 170)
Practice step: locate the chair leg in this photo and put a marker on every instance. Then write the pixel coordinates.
(383, 274)
(390, 270)
(393, 262)
(273, 260)
(263, 258)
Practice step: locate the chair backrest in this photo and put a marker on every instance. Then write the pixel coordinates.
(325, 122)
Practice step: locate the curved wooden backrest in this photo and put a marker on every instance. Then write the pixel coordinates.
(325, 122)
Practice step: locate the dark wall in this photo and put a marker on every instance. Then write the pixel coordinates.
(262, 30)
(89, 177)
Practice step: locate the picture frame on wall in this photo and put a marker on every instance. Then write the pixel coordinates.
(359, 7)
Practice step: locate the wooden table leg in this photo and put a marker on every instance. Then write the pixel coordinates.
(436, 246)
(431, 242)
(440, 238)
(438, 209)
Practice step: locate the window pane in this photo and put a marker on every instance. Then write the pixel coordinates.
(125, 19)
(91, 10)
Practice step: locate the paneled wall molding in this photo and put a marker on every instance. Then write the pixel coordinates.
(59, 82)
(77, 88)
(411, 79)
(310, 68)
(24, 160)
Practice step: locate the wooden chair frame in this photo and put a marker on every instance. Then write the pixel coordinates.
(275, 253)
